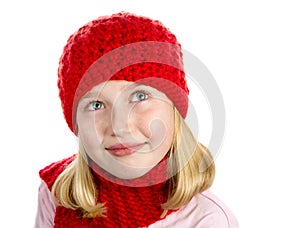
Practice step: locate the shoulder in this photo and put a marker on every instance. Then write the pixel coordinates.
(52, 171)
(205, 210)
(214, 211)
(46, 208)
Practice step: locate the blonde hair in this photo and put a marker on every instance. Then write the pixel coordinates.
(190, 166)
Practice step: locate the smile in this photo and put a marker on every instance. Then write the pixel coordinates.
(121, 150)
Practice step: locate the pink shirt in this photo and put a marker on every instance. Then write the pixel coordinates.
(205, 210)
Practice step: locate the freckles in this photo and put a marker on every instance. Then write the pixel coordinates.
(142, 122)
(100, 126)
(146, 129)
(158, 129)
(153, 126)
(154, 119)
(91, 129)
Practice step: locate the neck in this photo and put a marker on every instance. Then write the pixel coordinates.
(157, 175)
(135, 202)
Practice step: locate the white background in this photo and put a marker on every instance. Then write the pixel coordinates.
(252, 48)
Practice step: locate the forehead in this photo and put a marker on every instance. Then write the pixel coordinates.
(113, 87)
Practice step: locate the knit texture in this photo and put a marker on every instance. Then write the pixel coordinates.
(122, 46)
(126, 206)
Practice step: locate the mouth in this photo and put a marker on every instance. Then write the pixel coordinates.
(121, 150)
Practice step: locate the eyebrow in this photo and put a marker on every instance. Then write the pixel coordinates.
(91, 95)
(94, 94)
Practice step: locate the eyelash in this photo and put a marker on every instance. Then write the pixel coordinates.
(89, 108)
(147, 95)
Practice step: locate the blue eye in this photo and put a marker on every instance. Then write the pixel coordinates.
(139, 96)
(95, 105)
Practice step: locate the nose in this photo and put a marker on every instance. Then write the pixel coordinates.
(121, 121)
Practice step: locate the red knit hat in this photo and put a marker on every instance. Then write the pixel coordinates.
(122, 46)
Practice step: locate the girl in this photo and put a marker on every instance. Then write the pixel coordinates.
(124, 94)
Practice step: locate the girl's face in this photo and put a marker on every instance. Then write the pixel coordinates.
(126, 128)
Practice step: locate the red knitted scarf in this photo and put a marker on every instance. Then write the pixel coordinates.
(126, 206)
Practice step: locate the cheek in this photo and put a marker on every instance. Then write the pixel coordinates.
(91, 131)
(162, 134)
(157, 124)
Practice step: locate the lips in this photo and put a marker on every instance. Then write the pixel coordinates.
(121, 150)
